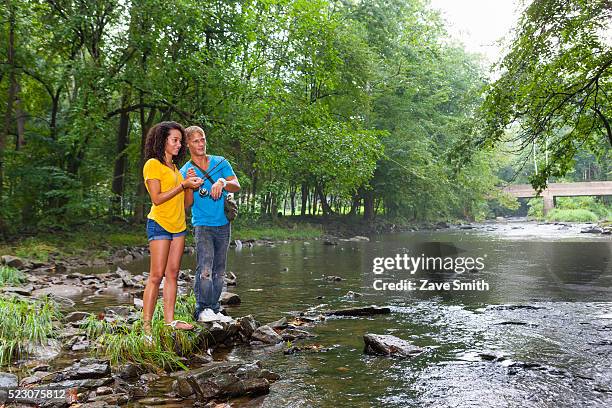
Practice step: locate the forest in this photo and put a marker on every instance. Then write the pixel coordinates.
(350, 108)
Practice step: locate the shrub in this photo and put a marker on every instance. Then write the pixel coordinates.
(571, 215)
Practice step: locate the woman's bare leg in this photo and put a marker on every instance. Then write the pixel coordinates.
(170, 284)
(159, 249)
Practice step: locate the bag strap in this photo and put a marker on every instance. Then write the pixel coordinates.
(207, 173)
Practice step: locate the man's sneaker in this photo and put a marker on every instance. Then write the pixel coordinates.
(207, 316)
(223, 318)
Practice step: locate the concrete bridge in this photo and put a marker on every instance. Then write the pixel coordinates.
(592, 188)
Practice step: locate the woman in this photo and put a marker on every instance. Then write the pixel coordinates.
(166, 228)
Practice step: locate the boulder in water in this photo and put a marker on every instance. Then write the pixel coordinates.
(360, 311)
(387, 345)
(266, 335)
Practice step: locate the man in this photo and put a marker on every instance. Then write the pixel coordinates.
(211, 226)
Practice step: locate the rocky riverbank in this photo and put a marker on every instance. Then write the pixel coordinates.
(74, 357)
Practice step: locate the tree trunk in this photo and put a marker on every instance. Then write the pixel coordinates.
(327, 210)
(20, 117)
(12, 92)
(254, 197)
(273, 207)
(121, 159)
(304, 199)
(293, 191)
(355, 204)
(54, 111)
(145, 125)
(368, 205)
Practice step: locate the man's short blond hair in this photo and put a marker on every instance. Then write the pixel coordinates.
(192, 130)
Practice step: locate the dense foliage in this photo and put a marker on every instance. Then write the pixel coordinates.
(322, 106)
(554, 88)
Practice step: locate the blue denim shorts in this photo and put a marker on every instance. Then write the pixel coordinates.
(156, 231)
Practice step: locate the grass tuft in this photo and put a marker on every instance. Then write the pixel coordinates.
(123, 342)
(11, 276)
(25, 322)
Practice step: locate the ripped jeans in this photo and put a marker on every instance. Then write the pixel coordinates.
(211, 254)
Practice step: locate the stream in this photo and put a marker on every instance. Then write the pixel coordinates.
(540, 336)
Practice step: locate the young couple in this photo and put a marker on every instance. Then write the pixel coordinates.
(172, 191)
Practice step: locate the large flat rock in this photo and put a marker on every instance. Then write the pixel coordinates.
(223, 380)
(60, 290)
(387, 345)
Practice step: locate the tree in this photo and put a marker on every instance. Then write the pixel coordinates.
(555, 83)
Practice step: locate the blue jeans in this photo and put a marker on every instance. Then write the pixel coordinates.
(211, 254)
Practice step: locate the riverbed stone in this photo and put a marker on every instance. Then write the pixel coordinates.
(148, 377)
(59, 290)
(159, 401)
(20, 290)
(358, 238)
(352, 295)
(317, 348)
(104, 390)
(228, 298)
(86, 368)
(8, 380)
(122, 311)
(231, 279)
(88, 383)
(108, 400)
(13, 261)
(248, 325)
(591, 230)
(266, 335)
(76, 316)
(128, 372)
(387, 345)
(81, 345)
(29, 381)
(44, 352)
(223, 380)
(291, 334)
(467, 227)
(279, 324)
(514, 307)
(360, 311)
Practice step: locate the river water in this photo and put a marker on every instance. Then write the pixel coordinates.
(484, 348)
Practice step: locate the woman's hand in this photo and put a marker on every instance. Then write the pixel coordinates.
(192, 182)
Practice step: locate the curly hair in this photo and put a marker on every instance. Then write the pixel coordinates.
(155, 146)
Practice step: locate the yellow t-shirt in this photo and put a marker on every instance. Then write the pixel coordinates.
(171, 214)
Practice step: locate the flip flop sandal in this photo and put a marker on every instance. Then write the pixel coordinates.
(175, 322)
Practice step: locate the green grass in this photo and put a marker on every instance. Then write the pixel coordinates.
(11, 276)
(33, 248)
(25, 322)
(577, 215)
(122, 342)
(100, 242)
